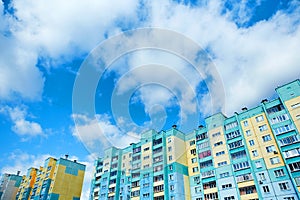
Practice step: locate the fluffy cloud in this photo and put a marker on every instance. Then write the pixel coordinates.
(69, 29)
(21, 161)
(251, 61)
(99, 133)
(21, 125)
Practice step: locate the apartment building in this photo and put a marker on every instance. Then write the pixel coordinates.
(9, 186)
(57, 179)
(254, 154)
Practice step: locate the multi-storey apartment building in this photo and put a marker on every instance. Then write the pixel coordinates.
(9, 186)
(254, 154)
(57, 179)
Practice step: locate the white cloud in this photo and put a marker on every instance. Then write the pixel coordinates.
(21, 125)
(99, 133)
(69, 29)
(21, 161)
(251, 61)
(89, 173)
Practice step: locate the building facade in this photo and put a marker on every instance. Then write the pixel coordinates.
(254, 154)
(60, 179)
(9, 186)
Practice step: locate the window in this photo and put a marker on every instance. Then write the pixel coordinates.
(229, 198)
(195, 169)
(170, 158)
(134, 194)
(225, 174)
(146, 195)
(158, 178)
(158, 159)
(218, 143)
(274, 160)
(279, 173)
(266, 138)
(171, 177)
(283, 129)
(220, 153)
(157, 141)
(246, 123)
(136, 150)
(259, 118)
(227, 186)
(266, 189)
(172, 187)
(248, 132)
(296, 105)
(262, 176)
(258, 164)
(146, 184)
(289, 140)
(241, 165)
(216, 134)
(211, 184)
(192, 142)
(284, 186)
(194, 160)
(198, 190)
(275, 109)
(294, 166)
(169, 140)
(205, 164)
(208, 174)
(233, 134)
(247, 190)
(170, 167)
(222, 163)
(201, 136)
(169, 149)
(263, 128)
(251, 142)
(146, 166)
(288, 198)
(279, 118)
(292, 153)
(158, 168)
(211, 196)
(231, 125)
(205, 154)
(270, 148)
(254, 153)
(146, 157)
(196, 179)
(244, 177)
(203, 145)
(146, 149)
(235, 144)
(297, 181)
(158, 188)
(239, 154)
(138, 157)
(193, 151)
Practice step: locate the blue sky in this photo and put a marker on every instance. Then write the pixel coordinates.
(252, 46)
